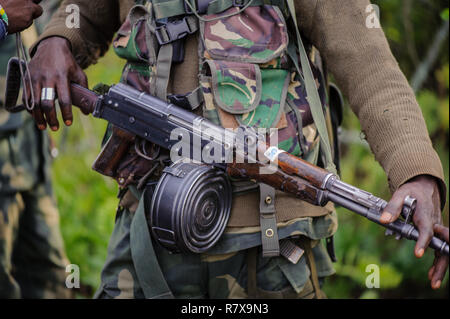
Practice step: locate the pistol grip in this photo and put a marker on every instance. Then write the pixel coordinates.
(112, 152)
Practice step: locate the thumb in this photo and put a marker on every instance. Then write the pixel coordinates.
(394, 208)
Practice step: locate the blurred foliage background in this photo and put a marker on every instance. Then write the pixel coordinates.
(87, 200)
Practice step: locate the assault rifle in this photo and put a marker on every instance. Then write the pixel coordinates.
(154, 120)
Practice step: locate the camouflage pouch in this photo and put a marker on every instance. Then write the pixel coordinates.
(248, 79)
(255, 35)
(136, 44)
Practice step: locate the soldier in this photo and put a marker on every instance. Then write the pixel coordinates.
(242, 67)
(32, 256)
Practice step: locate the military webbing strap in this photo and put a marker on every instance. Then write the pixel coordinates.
(163, 65)
(150, 276)
(195, 98)
(306, 245)
(171, 8)
(313, 96)
(268, 221)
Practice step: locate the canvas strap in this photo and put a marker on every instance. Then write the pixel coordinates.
(313, 95)
(268, 221)
(148, 271)
(170, 8)
(163, 65)
(306, 245)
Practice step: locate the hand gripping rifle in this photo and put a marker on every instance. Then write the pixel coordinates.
(154, 120)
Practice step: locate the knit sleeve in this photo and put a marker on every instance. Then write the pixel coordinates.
(359, 57)
(89, 36)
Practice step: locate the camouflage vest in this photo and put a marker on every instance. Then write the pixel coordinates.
(251, 71)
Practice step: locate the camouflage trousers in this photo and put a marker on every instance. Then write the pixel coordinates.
(192, 276)
(32, 257)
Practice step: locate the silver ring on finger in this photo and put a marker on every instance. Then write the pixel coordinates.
(47, 94)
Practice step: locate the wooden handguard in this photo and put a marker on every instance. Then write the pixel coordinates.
(289, 174)
(83, 98)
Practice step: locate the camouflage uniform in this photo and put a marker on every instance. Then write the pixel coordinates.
(32, 256)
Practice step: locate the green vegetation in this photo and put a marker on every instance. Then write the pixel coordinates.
(359, 242)
(87, 200)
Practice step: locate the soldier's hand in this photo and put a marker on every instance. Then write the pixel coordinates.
(424, 188)
(54, 67)
(439, 268)
(21, 13)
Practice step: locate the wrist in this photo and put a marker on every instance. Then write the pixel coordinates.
(4, 23)
(3, 15)
(430, 184)
(3, 30)
(58, 41)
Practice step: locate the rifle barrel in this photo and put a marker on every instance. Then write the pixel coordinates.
(399, 227)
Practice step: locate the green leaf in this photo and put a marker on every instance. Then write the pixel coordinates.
(444, 14)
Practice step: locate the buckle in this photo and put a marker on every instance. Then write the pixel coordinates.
(180, 100)
(173, 31)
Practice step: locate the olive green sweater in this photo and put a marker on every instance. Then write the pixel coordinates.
(359, 59)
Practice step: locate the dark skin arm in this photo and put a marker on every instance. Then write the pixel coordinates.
(53, 66)
(427, 219)
(21, 13)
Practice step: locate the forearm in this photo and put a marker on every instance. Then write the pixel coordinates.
(365, 69)
(98, 22)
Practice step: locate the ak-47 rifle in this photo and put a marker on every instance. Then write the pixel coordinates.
(154, 120)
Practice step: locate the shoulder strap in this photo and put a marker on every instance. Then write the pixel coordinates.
(150, 276)
(313, 95)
